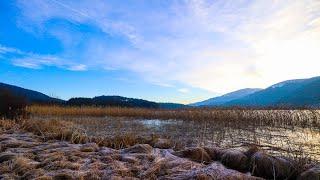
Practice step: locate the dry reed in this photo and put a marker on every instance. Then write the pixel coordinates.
(272, 118)
(281, 131)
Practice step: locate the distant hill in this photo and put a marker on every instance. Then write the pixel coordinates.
(291, 93)
(306, 95)
(220, 100)
(121, 102)
(172, 106)
(112, 101)
(29, 95)
(296, 93)
(34, 97)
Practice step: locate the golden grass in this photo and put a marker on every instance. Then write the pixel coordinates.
(89, 111)
(200, 126)
(7, 125)
(54, 129)
(71, 132)
(224, 127)
(273, 118)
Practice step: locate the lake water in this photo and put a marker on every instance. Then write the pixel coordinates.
(157, 123)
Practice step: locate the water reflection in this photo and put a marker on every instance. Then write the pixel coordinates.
(157, 123)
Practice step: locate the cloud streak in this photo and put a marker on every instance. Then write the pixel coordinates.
(219, 45)
(36, 61)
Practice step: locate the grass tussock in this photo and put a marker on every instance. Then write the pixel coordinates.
(71, 132)
(55, 129)
(7, 125)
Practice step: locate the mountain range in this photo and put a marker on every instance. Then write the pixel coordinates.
(220, 100)
(34, 97)
(290, 93)
(30, 95)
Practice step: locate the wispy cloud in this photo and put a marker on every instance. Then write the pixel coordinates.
(79, 67)
(183, 90)
(6, 50)
(218, 45)
(36, 61)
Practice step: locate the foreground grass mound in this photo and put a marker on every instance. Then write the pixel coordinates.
(56, 154)
(27, 156)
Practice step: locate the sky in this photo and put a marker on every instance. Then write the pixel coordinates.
(161, 50)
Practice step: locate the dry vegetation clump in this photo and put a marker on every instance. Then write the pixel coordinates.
(270, 167)
(20, 167)
(139, 148)
(88, 111)
(8, 125)
(196, 154)
(162, 143)
(70, 131)
(7, 157)
(214, 171)
(55, 129)
(215, 152)
(123, 141)
(235, 159)
(312, 173)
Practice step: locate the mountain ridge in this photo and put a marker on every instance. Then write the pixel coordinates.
(289, 93)
(30, 95)
(219, 100)
(280, 94)
(35, 97)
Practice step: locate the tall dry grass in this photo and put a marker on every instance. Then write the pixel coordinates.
(281, 131)
(53, 129)
(228, 117)
(230, 127)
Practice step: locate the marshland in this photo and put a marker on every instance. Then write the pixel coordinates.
(188, 143)
(292, 133)
(160, 89)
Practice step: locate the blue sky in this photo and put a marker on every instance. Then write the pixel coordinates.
(161, 50)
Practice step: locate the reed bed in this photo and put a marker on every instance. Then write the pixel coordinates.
(71, 131)
(308, 118)
(290, 133)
